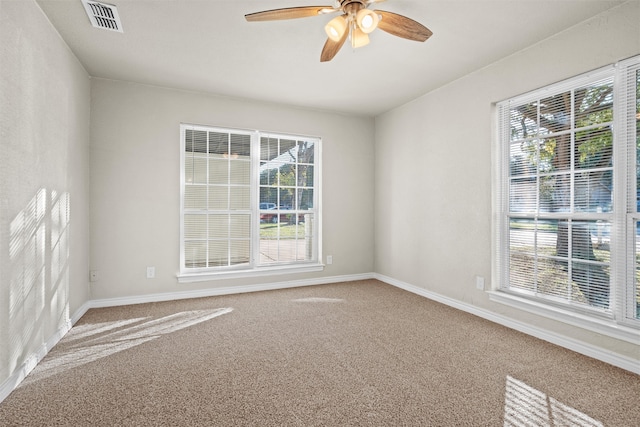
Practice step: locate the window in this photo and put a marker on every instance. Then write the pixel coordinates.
(569, 193)
(248, 202)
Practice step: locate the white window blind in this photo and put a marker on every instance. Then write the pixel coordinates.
(248, 200)
(217, 198)
(567, 199)
(629, 98)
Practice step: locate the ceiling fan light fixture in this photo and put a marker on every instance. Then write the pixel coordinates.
(336, 28)
(367, 20)
(359, 38)
(355, 23)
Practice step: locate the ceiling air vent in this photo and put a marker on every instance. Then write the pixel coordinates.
(103, 15)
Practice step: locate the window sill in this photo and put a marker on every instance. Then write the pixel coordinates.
(604, 326)
(256, 272)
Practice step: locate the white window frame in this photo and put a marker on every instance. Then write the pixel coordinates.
(253, 268)
(619, 321)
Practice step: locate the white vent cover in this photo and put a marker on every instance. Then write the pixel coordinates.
(103, 15)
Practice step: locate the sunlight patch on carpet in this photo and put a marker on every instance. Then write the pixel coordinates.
(527, 406)
(109, 338)
(318, 299)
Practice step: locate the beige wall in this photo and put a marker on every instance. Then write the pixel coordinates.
(44, 200)
(434, 166)
(135, 170)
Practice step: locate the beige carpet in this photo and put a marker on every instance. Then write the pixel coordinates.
(358, 353)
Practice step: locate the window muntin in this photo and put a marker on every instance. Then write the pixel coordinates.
(562, 238)
(248, 200)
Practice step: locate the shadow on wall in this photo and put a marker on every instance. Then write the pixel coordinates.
(39, 274)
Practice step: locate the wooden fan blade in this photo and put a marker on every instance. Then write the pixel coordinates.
(288, 13)
(331, 48)
(402, 26)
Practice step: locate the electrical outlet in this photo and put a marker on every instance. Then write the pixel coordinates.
(93, 276)
(329, 259)
(480, 283)
(151, 272)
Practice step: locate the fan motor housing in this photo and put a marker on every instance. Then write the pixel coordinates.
(352, 6)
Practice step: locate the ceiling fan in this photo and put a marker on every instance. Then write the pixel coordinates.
(355, 22)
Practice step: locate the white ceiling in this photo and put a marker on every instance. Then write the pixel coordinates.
(206, 45)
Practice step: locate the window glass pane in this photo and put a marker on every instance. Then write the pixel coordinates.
(546, 237)
(240, 252)
(218, 171)
(594, 104)
(593, 191)
(268, 249)
(287, 152)
(521, 160)
(287, 175)
(240, 146)
(552, 278)
(240, 172)
(590, 252)
(305, 176)
(522, 195)
(195, 197)
(550, 274)
(591, 240)
(240, 198)
(522, 271)
(218, 253)
(594, 148)
(555, 153)
(555, 193)
(286, 198)
(195, 226)
(195, 170)
(306, 152)
(268, 174)
(555, 113)
(523, 121)
(286, 241)
(591, 284)
(268, 198)
(195, 254)
(268, 148)
(305, 234)
(305, 199)
(522, 235)
(218, 144)
(195, 141)
(218, 226)
(240, 226)
(218, 197)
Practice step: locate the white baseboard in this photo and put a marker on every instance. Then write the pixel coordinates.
(14, 380)
(229, 290)
(586, 349)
